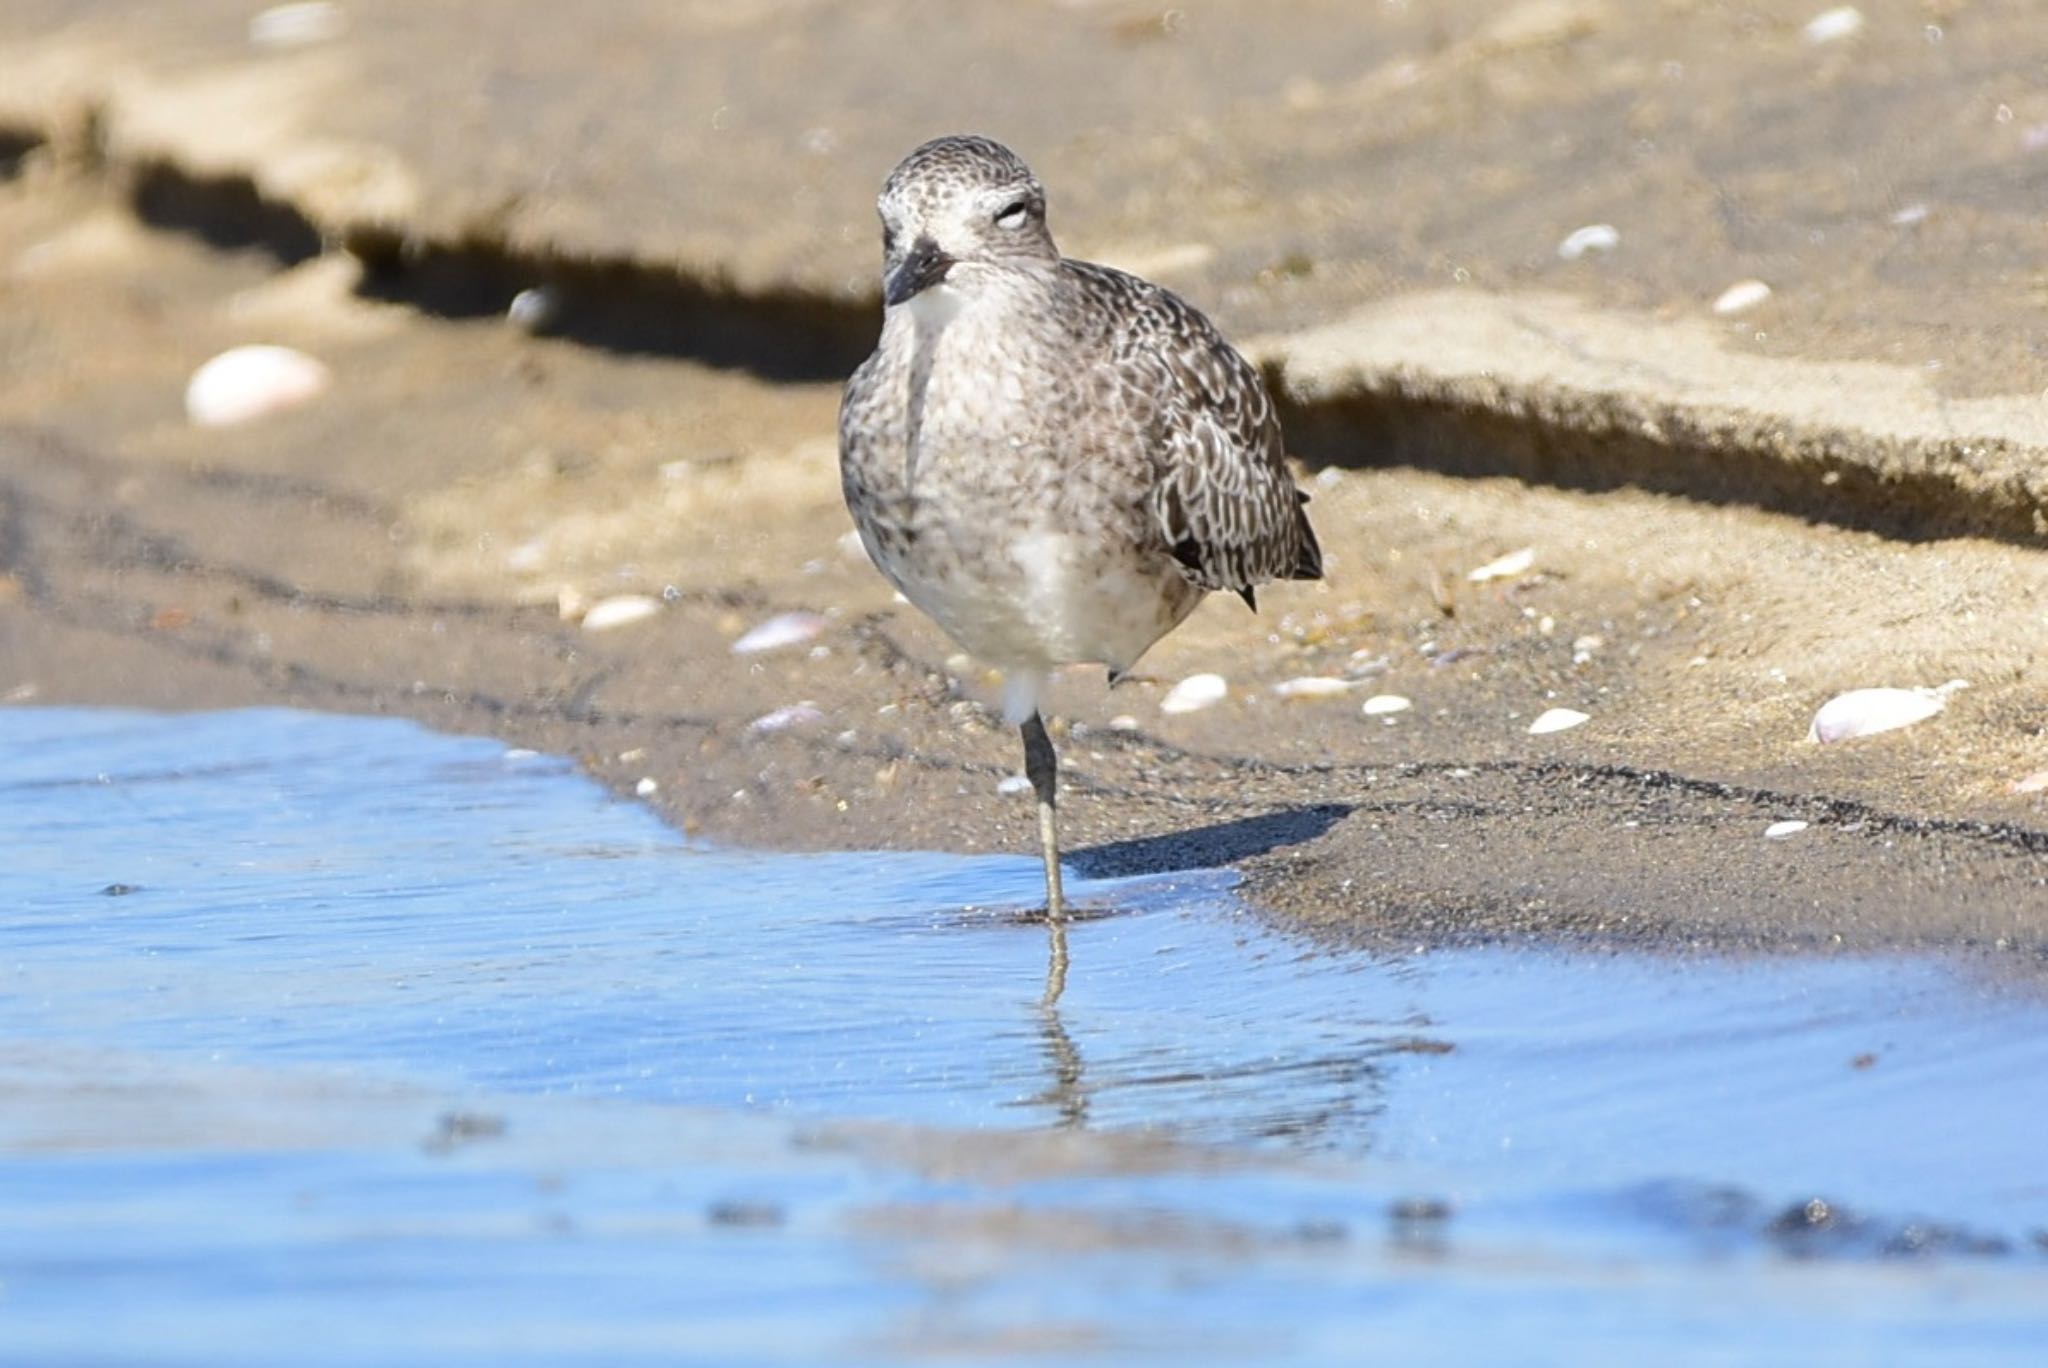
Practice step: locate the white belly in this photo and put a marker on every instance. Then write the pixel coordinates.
(1047, 599)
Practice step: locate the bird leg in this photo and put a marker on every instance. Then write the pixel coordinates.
(1042, 767)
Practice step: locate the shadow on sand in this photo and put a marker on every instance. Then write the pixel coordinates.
(1206, 847)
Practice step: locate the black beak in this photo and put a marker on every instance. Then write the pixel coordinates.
(925, 267)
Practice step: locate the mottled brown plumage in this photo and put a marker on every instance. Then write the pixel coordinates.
(1054, 460)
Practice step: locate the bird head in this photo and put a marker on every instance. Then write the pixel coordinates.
(957, 206)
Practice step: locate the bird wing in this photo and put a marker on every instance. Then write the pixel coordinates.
(1221, 496)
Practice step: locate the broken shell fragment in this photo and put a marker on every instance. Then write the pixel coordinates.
(1012, 784)
(1743, 294)
(1594, 237)
(1778, 831)
(1312, 686)
(784, 629)
(534, 309)
(1195, 693)
(1501, 567)
(1557, 720)
(246, 383)
(1866, 712)
(296, 25)
(1385, 705)
(796, 717)
(619, 610)
(1828, 25)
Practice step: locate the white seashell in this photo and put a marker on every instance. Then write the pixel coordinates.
(1513, 563)
(1312, 686)
(784, 629)
(532, 310)
(1123, 722)
(1866, 712)
(647, 788)
(1594, 237)
(1557, 720)
(2033, 783)
(1778, 831)
(1013, 784)
(1383, 705)
(1910, 215)
(797, 716)
(1743, 294)
(1829, 25)
(246, 383)
(1195, 693)
(284, 26)
(620, 610)
(528, 555)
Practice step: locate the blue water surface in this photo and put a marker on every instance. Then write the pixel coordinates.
(338, 1039)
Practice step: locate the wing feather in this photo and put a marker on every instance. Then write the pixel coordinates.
(1221, 498)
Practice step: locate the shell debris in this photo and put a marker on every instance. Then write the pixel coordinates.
(796, 717)
(784, 629)
(243, 384)
(1594, 237)
(1828, 25)
(1386, 705)
(1557, 720)
(1313, 686)
(1867, 712)
(534, 310)
(1504, 567)
(620, 610)
(1194, 693)
(1012, 784)
(297, 25)
(1778, 831)
(1743, 294)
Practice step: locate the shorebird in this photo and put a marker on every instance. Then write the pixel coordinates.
(1054, 460)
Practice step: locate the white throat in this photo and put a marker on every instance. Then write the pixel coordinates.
(933, 308)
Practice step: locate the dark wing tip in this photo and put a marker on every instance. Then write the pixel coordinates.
(1308, 561)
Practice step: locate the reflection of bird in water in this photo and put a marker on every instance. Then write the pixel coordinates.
(1056, 966)
(1066, 1092)
(1055, 460)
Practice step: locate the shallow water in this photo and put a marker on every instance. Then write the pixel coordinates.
(339, 1039)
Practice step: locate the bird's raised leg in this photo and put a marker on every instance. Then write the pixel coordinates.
(1042, 768)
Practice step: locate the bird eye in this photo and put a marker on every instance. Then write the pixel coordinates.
(1012, 215)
